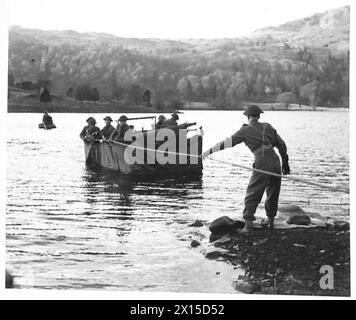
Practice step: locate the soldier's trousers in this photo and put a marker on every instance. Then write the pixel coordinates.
(261, 182)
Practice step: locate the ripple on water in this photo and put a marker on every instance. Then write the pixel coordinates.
(71, 227)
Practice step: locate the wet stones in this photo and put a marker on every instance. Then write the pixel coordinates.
(341, 226)
(294, 215)
(225, 225)
(195, 243)
(196, 223)
(246, 287)
(216, 253)
(300, 220)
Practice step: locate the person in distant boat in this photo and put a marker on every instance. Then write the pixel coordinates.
(121, 129)
(47, 119)
(91, 132)
(260, 138)
(108, 129)
(171, 122)
(161, 119)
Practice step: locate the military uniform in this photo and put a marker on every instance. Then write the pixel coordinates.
(107, 131)
(120, 131)
(261, 138)
(170, 122)
(160, 122)
(90, 132)
(47, 119)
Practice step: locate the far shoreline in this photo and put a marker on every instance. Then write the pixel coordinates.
(109, 107)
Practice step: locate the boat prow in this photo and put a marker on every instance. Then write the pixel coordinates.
(114, 155)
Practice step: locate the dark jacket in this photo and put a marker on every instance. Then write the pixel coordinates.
(87, 132)
(251, 135)
(107, 131)
(47, 119)
(120, 131)
(169, 122)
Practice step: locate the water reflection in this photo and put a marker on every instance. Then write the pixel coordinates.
(105, 230)
(122, 190)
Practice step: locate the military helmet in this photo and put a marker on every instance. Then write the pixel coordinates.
(161, 117)
(252, 110)
(108, 118)
(123, 118)
(91, 120)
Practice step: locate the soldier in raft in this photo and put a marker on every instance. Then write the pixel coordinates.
(108, 129)
(47, 119)
(260, 138)
(171, 122)
(160, 122)
(121, 129)
(91, 132)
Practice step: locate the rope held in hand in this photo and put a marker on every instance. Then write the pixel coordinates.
(287, 177)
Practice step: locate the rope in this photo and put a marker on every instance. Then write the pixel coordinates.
(287, 177)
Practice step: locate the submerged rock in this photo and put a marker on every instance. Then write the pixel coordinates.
(216, 253)
(225, 225)
(197, 223)
(195, 243)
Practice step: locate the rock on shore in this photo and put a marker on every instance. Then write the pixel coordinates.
(288, 259)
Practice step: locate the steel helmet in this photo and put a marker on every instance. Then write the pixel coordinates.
(108, 118)
(123, 118)
(252, 110)
(91, 120)
(161, 117)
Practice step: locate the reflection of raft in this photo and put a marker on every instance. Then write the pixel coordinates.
(47, 126)
(111, 155)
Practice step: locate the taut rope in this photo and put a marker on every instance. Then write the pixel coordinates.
(287, 177)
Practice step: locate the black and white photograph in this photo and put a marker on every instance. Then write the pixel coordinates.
(177, 147)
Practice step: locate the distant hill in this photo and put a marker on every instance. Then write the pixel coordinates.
(305, 59)
(330, 28)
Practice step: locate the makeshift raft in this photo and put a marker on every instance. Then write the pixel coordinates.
(111, 155)
(47, 126)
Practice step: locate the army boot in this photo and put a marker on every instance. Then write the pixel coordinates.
(247, 228)
(270, 223)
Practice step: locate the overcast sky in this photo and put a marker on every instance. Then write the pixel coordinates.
(163, 18)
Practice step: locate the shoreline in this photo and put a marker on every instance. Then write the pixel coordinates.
(287, 262)
(141, 109)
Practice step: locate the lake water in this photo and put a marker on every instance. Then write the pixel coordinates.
(68, 226)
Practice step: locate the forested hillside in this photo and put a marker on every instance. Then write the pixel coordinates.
(299, 62)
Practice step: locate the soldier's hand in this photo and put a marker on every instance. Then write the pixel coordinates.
(285, 168)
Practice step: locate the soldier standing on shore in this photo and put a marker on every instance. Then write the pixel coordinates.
(260, 138)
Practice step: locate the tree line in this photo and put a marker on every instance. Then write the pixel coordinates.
(225, 77)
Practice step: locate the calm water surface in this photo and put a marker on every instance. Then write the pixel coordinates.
(68, 226)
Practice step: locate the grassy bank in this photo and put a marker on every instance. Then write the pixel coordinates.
(27, 101)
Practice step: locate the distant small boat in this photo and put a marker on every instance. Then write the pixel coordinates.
(47, 126)
(110, 155)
